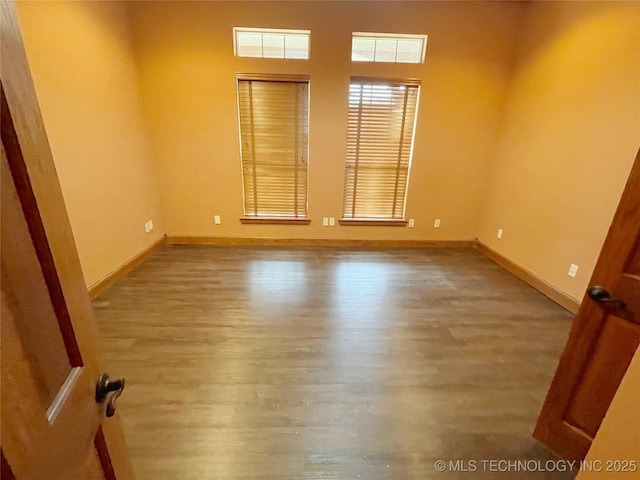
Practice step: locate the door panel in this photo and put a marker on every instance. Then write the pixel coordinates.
(47, 397)
(603, 372)
(51, 423)
(52, 358)
(91, 468)
(603, 339)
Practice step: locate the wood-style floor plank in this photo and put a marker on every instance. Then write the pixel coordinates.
(305, 363)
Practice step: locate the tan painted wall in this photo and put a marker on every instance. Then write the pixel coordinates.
(92, 115)
(557, 84)
(619, 434)
(187, 71)
(569, 135)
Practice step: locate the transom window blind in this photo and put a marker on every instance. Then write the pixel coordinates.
(382, 117)
(274, 131)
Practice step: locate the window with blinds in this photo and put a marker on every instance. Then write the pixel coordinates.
(382, 117)
(274, 131)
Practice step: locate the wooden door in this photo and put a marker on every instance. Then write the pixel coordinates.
(52, 425)
(603, 339)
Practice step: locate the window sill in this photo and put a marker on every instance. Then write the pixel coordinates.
(275, 221)
(372, 222)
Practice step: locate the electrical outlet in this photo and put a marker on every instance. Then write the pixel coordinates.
(436, 223)
(412, 222)
(216, 219)
(146, 227)
(499, 235)
(325, 222)
(332, 221)
(573, 269)
(150, 225)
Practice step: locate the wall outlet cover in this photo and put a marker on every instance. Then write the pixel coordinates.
(573, 269)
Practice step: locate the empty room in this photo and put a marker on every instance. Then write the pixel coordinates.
(320, 239)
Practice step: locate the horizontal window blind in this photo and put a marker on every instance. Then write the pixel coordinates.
(274, 130)
(379, 144)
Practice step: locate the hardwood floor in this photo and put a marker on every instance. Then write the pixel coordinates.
(277, 363)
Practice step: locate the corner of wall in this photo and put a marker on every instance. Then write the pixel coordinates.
(91, 112)
(546, 190)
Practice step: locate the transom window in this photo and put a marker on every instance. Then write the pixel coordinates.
(271, 43)
(384, 47)
(382, 117)
(274, 139)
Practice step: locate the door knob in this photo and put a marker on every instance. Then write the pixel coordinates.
(105, 386)
(600, 295)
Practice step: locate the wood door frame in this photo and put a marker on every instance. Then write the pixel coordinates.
(28, 142)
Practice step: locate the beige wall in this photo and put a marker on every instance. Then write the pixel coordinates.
(529, 120)
(85, 77)
(569, 135)
(187, 71)
(619, 435)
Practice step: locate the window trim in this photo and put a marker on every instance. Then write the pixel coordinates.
(372, 222)
(272, 77)
(274, 220)
(276, 31)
